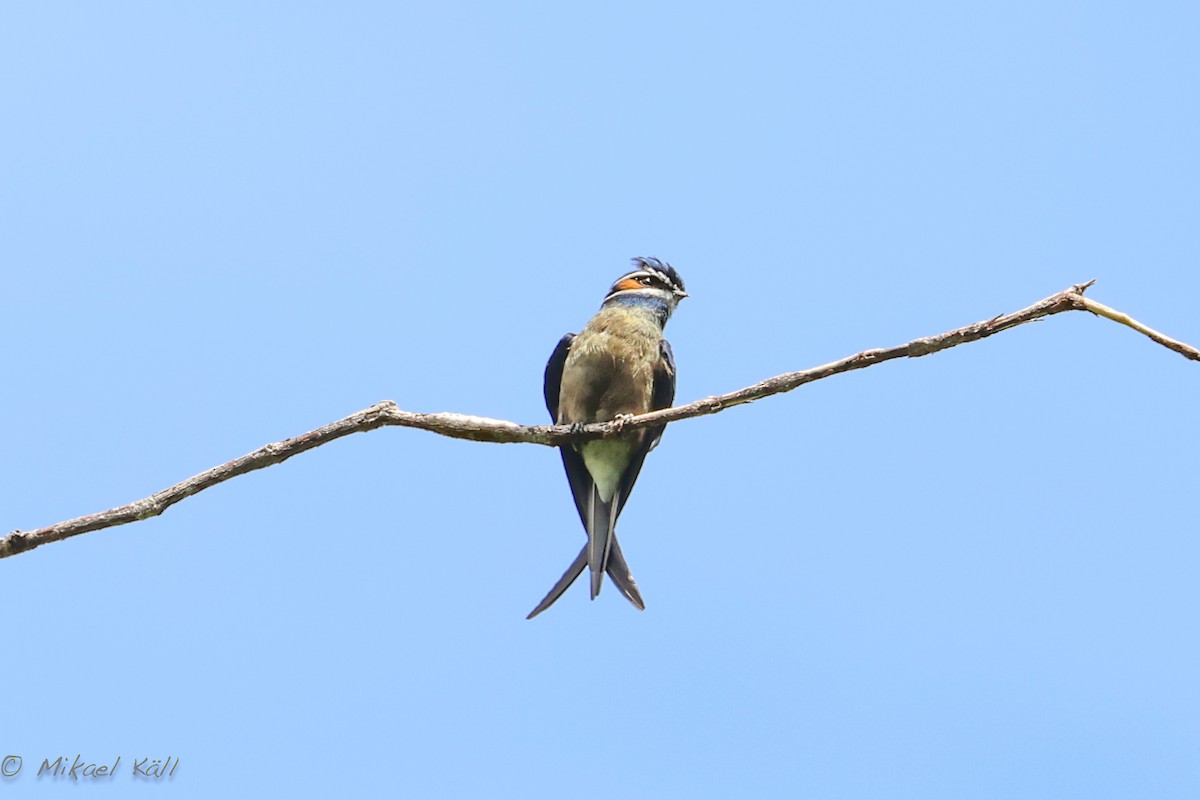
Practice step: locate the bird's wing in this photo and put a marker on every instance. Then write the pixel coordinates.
(552, 384)
(577, 474)
(664, 387)
(568, 577)
(662, 397)
(622, 578)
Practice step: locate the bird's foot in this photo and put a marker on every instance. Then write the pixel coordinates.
(621, 420)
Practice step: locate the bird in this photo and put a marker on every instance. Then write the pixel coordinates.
(618, 366)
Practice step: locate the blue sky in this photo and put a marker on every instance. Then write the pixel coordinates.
(968, 575)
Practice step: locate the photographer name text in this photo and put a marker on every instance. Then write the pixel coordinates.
(83, 769)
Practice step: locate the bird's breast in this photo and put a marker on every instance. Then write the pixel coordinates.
(610, 368)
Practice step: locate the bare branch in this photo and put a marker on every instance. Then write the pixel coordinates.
(483, 429)
(1185, 350)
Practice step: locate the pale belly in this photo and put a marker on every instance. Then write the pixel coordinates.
(606, 460)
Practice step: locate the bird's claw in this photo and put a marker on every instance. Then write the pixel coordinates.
(621, 420)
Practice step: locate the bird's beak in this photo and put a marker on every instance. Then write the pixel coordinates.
(680, 293)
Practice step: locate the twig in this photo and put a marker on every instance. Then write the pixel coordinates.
(1185, 350)
(483, 429)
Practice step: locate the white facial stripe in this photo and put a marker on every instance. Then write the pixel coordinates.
(648, 272)
(645, 290)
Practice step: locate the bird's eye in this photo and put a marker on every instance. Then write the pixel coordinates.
(644, 280)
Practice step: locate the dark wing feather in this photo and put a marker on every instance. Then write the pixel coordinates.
(568, 577)
(664, 387)
(552, 384)
(618, 570)
(577, 474)
(622, 578)
(662, 397)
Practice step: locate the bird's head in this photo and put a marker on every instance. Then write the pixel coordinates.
(649, 279)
